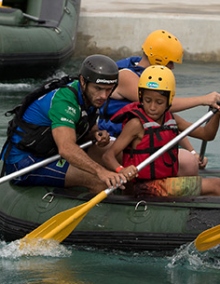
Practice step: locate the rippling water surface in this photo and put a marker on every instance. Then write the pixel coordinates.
(55, 263)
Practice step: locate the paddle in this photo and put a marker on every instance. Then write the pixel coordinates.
(208, 239)
(202, 150)
(38, 165)
(62, 224)
(204, 144)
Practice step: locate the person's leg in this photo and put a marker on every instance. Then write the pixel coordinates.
(56, 174)
(183, 186)
(95, 153)
(77, 177)
(210, 186)
(52, 174)
(188, 164)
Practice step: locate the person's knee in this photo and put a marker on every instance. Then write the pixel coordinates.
(188, 164)
(211, 186)
(95, 153)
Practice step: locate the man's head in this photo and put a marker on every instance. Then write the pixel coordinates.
(98, 78)
(161, 47)
(99, 69)
(159, 79)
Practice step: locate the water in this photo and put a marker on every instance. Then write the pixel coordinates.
(55, 263)
(71, 265)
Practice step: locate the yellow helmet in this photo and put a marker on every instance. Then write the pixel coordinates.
(161, 47)
(158, 78)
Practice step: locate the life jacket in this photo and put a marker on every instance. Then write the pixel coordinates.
(131, 64)
(155, 136)
(38, 139)
(111, 106)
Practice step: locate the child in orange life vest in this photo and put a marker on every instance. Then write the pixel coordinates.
(147, 126)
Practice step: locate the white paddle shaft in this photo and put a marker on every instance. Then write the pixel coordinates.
(170, 144)
(38, 165)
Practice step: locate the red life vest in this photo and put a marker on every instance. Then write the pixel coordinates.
(155, 136)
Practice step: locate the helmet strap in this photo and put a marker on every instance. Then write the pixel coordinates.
(84, 85)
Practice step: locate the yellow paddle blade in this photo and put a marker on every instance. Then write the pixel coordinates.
(62, 224)
(208, 239)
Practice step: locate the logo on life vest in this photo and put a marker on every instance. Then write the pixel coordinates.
(152, 85)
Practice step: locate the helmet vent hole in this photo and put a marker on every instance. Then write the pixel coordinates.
(91, 65)
(150, 77)
(160, 79)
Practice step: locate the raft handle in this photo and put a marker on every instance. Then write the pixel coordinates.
(57, 30)
(48, 194)
(67, 10)
(140, 203)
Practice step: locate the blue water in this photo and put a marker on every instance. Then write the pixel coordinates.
(55, 263)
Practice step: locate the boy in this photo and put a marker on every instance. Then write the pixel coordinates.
(147, 126)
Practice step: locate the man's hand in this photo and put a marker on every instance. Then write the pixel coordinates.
(102, 137)
(112, 179)
(202, 164)
(212, 99)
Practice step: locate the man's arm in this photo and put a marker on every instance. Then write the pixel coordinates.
(185, 144)
(207, 132)
(65, 138)
(127, 87)
(180, 104)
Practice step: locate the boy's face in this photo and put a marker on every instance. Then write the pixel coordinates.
(154, 105)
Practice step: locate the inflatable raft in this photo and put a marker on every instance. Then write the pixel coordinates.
(118, 222)
(36, 36)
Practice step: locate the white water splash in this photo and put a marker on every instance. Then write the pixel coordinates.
(16, 87)
(57, 74)
(38, 247)
(27, 85)
(189, 256)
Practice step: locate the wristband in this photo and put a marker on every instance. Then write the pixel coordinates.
(119, 168)
(193, 152)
